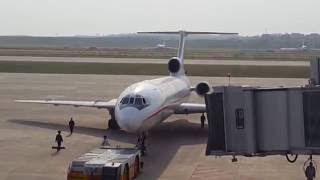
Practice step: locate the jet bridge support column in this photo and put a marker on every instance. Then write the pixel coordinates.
(315, 71)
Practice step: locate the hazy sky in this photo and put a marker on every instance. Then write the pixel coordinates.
(92, 17)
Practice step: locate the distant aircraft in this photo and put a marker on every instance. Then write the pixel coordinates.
(161, 46)
(145, 104)
(303, 47)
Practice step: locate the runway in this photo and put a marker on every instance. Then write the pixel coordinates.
(175, 148)
(155, 61)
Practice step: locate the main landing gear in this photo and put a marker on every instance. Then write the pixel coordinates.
(112, 123)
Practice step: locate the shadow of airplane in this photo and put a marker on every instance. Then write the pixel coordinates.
(117, 135)
(163, 141)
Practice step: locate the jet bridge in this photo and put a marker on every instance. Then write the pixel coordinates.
(262, 121)
(255, 121)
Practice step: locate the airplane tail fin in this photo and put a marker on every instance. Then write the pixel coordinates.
(183, 35)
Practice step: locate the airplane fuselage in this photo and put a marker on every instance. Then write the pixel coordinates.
(146, 104)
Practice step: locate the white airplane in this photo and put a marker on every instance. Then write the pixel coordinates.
(145, 104)
(162, 45)
(303, 47)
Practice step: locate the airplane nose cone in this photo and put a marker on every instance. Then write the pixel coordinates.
(128, 119)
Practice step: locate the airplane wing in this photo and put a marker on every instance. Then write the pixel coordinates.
(96, 104)
(189, 108)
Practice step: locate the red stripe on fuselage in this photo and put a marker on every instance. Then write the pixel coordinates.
(152, 115)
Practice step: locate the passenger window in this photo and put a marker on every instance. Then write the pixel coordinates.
(138, 101)
(131, 100)
(239, 118)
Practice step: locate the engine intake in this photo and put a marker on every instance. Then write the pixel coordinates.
(174, 65)
(202, 88)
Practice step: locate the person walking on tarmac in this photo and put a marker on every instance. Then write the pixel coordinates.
(310, 171)
(71, 125)
(59, 140)
(202, 119)
(105, 141)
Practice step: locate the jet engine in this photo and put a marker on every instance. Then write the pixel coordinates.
(202, 88)
(174, 65)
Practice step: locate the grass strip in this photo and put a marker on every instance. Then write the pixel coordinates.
(152, 69)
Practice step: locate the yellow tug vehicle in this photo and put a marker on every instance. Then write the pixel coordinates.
(106, 164)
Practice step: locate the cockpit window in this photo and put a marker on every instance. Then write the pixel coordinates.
(131, 100)
(136, 101)
(124, 100)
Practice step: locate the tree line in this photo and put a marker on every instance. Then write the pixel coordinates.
(265, 41)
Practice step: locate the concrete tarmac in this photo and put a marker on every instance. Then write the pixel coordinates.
(155, 61)
(175, 148)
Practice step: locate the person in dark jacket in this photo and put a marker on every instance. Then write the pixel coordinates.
(71, 125)
(105, 141)
(59, 140)
(202, 119)
(310, 171)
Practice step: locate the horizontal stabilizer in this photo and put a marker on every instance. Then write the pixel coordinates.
(188, 32)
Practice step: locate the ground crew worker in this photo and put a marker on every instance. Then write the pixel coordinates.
(143, 147)
(59, 140)
(105, 141)
(310, 171)
(202, 119)
(139, 143)
(71, 125)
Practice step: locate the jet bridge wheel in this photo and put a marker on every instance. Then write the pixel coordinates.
(292, 157)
